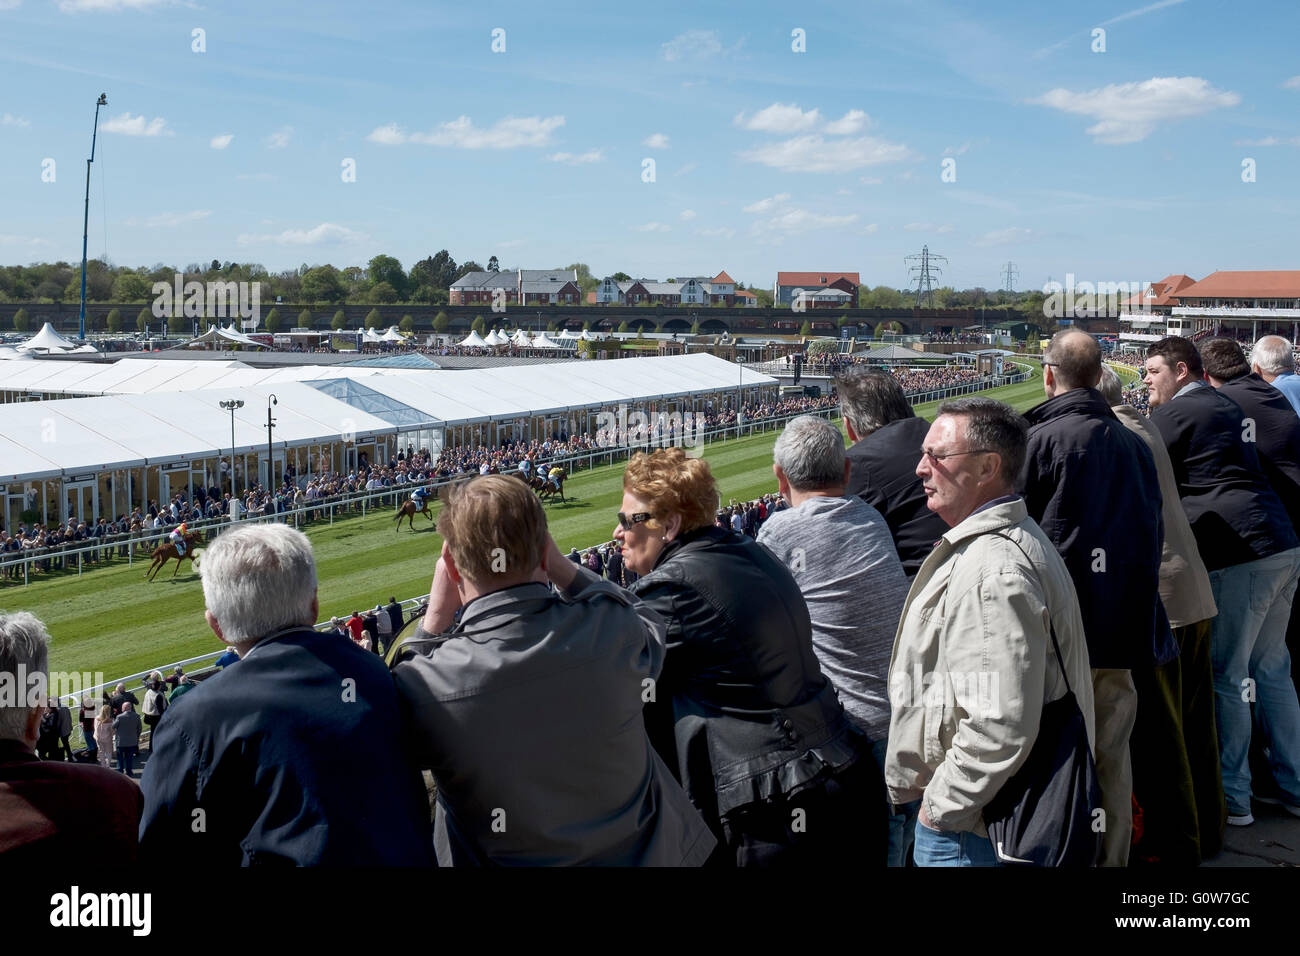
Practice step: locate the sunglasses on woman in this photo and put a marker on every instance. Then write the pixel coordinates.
(627, 521)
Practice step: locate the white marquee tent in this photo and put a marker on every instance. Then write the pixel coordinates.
(47, 340)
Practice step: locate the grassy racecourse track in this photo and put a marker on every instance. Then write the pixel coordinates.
(112, 621)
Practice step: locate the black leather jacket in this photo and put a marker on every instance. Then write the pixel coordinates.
(742, 711)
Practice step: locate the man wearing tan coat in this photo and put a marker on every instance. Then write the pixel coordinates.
(972, 664)
(1177, 774)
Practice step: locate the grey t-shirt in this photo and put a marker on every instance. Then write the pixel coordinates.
(843, 557)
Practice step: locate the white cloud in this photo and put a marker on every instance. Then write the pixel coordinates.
(390, 135)
(956, 150)
(10, 4)
(222, 141)
(764, 205)
(844, 192)
(22, 241)
(1269, 141)
(687, 215)
(869, 228)
(687, 168)
(656, 141)
(256, 177)
(692, 45)
(814, 154)
(510, 243)
(572, 159)
(167, 219)
(800, 220)
(928, 227)
(779, 118)
(854, 121)
(280, 138)
(1292, 84)
(129, 125)
(327, 233)
(1141, 11)
(10, 120)
(105, 6)
(508, 133)
(1129, 112)
(717, 232)
(1004, 237)
(870, 180)
(651, 227)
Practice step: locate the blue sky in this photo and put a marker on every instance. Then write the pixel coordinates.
(1122, 165)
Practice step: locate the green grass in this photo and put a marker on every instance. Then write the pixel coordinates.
(111, 620)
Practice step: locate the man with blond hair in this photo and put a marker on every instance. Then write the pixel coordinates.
(526, 704)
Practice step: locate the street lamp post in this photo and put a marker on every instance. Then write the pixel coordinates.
(270, 453)
(232, 405)
(85, 222)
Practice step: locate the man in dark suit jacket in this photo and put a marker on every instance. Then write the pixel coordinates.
(52, 810)
(1081, 464)
(294, 756)
(1251, 551)
(887, 439)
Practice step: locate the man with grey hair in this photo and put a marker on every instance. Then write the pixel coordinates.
(51, 809)
(841, 554)
(1175, 744)
(295, 755)
(973, 662)
(1273, 360)
(887, 436)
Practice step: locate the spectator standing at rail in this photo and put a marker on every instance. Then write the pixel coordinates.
(887, 437)
(496, 648)
(1251, 551)
(986, 602)
(52, 810)
(256, 753)
(1175, 745)
(842, 557)
(1080, 462)
(1273, 360)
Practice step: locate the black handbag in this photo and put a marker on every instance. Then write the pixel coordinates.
(1044, 815)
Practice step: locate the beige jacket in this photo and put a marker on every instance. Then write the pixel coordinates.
(973, 664)
(1184, 582)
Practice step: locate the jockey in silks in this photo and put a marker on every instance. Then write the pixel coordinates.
(553, 476)
(526, 466)
(418, 496)
(177, 537)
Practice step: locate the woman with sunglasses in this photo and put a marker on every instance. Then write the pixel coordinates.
(742, 711)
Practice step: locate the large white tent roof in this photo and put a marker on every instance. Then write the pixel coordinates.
(87, 435)
(128, 376)
(473, 340)
(138, 426)
(47, 340)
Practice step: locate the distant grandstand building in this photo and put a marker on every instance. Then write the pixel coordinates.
(1241, 305)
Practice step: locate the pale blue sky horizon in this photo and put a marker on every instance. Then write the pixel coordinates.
(1122, 165)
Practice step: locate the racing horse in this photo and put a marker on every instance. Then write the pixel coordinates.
(408, 510)
(545, 489)
(167, 551)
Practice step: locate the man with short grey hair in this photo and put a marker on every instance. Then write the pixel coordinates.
(1273, 360)
(973, 664)
(841, 554)
(259, 763)
(49, 809)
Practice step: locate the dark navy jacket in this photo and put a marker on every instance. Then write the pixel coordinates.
(1277, 436)
(294, 758)
(1091, 485)
(884, 476)
(1235, 514)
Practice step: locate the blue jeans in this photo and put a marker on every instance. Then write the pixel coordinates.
(1251, 662)
(938, 848)
(126, 759)
(901, 824)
